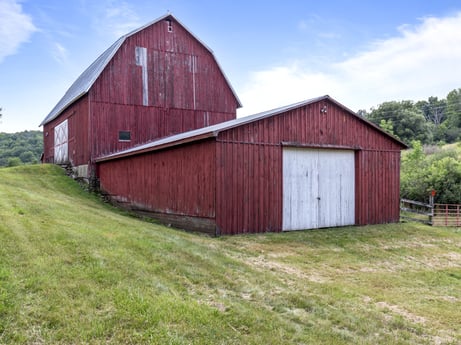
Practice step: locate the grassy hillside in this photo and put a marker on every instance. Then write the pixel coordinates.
(75, 270)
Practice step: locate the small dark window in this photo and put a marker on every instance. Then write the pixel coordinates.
(124, 135)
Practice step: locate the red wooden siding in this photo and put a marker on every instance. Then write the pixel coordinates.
(77, 116)
(186, 90)
(185, 87)
(144, 123)
(176, 182)
(377, 187)
(240, 180)
(249, 166)
(248, 194)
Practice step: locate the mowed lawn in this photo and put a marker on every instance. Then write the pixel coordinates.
(74, 270)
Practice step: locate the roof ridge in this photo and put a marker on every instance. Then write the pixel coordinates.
(87, 78)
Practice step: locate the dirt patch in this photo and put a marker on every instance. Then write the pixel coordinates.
(402, 312)
(263, 262)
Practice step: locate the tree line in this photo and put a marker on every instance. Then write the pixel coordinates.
(426, 126)
(431, 121)
(428, 168)
(20, 148)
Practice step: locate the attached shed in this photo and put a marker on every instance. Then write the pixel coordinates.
(312, 164)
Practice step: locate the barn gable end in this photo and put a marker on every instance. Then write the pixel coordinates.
(156, 81)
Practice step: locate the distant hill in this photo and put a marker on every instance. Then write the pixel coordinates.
(20, 148)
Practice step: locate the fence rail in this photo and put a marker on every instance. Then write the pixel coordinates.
(432, 214)
(446, 215)
(416, 211)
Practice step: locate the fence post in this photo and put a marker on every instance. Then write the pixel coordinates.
(431, 203)
(457, 215)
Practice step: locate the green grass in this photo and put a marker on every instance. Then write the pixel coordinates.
(74, 270)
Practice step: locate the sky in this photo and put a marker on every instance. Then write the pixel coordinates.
(274, 53)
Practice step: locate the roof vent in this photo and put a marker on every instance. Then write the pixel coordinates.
(169, 25)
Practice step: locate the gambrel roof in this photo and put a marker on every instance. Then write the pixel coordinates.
(86, 80)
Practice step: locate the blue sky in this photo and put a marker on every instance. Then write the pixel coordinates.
(274, 53)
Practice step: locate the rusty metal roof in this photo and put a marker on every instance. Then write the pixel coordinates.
(84, 82)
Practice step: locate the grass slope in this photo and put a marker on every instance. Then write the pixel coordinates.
(75, 270)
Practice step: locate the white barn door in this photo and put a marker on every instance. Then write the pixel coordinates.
(60, 143)
(318, 188)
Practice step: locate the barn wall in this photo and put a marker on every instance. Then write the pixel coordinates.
(309, 126)
(144, 124)
(235, 180)
(176, 185)
(78, 145)
(378, 187)
(185, 89)
(171, 71)
(249, 171)
(248, 195)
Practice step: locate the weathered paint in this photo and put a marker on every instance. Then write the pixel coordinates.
(249, 194)
(141, 60)
(77, 134)
(61, 153)
(175, 184)
(186, 90)
(162, 80)
(245, 188)
(318, 188)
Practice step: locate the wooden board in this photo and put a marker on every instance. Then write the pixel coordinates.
(318, 188)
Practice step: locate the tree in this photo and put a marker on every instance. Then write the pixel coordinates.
(454, 108)
(387, 126)
(434, 110)
(407, 120)
(362, 113)
(440, 171)
(26, 146)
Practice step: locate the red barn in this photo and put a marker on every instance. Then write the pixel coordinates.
(313, 164)
(153, 82)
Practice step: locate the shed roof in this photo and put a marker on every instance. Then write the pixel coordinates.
(84, 82)
(213, 131)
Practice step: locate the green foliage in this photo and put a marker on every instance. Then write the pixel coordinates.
(454, 108)
(20, 148)
(408, 122)
(387, 126)
(439, 171)
(430, 121)
(14, 161)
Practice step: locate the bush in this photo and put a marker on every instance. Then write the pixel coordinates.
(439, 171)
(13, 162)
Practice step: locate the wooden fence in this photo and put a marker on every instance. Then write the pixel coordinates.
(416, 211)
(432, 214)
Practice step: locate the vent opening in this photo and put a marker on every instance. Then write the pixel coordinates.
(169, 25)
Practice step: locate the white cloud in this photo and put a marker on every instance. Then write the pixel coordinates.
(15, 27)
(60, 53)
(119, 18)
(424, 60)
